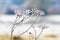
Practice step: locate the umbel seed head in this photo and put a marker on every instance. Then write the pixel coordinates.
(43, 26)
(18, 12)
(33, 11)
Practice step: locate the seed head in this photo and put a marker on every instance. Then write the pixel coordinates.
(43, 26)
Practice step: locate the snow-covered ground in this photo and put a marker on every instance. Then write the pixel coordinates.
(53, 21)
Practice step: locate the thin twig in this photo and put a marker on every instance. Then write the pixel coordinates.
(39, 34)
(35, 32)
(15, 22)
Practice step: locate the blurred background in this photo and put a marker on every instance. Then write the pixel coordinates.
(48, 6)
(51, 8)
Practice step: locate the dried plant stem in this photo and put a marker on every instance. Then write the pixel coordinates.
(35, 33)
(11, 35)
(39, 34)
(30, 26)
(14, 22)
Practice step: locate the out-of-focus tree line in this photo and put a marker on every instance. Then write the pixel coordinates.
(48, 6)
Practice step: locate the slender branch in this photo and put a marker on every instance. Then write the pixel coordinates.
(35, 32)
(39, 34)
(14, 22)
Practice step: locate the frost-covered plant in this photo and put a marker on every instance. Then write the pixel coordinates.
(24, 13)
(19, 14)
(41, 27)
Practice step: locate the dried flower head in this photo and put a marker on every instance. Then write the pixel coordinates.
(38, 11)
(27, 11)
(43, 26)
(18, 12)
(41, 12)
